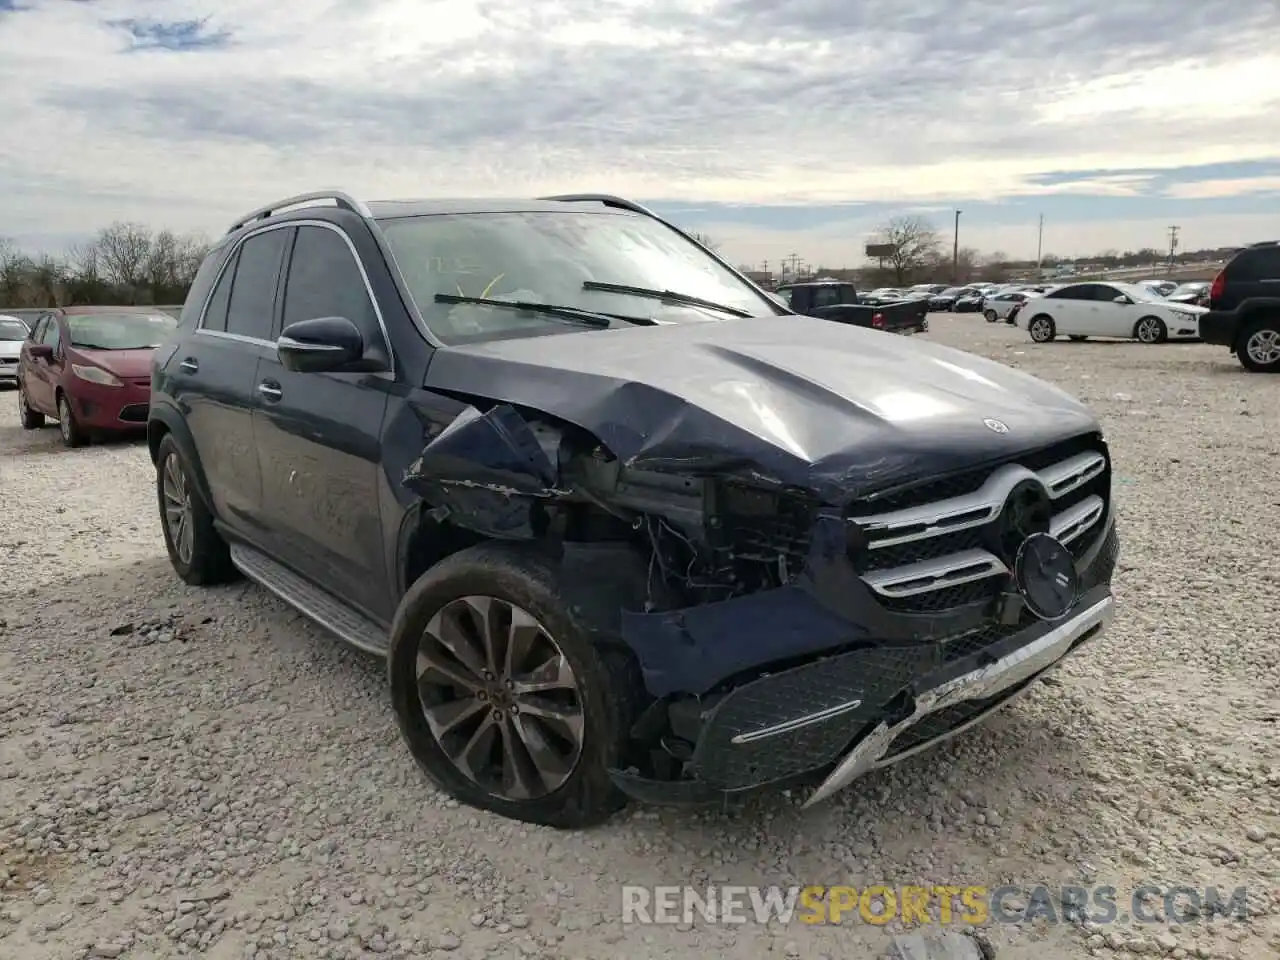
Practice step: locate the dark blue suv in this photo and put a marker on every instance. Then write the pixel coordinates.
(621, 523)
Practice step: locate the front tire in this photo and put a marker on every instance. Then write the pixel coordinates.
(196, 550)
(31, 419)
(1258, 348)
(1042, 328)
(1150, 330)
(73, 435)
(503, 698)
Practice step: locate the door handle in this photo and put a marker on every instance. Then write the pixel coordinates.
(189, 365)
(270, 390)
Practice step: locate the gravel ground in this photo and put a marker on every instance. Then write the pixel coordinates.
(188, 770)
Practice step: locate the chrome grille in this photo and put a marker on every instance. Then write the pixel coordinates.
(931, 552)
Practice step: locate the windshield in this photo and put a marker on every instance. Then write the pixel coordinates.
(12, 329)
(551, 257)
(120, 331)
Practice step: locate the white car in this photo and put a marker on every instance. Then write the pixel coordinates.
(12, 332)
(1121, 310)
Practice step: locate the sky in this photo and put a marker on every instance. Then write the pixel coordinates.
(775, 127)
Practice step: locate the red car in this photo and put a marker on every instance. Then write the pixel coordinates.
(90, 369)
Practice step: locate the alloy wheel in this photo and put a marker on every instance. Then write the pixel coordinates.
(1040, 329)
(500, 697)
(1149, 330)
(177, 508)
(1263, 347)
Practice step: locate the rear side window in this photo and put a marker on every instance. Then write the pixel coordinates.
(199, 291)
(51, 333)
(37, 332)
(325, 281)
(1262, 263)
(215, 317)
(826, 296)
(253, 293)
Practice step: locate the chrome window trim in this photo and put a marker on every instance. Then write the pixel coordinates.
(284, 224)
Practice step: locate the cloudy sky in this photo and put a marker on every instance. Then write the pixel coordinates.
(777, 127)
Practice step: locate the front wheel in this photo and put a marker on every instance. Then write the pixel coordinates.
(73, 435)
(501, 695)
(1042, 328)
(1259, 346)
(1150, 330)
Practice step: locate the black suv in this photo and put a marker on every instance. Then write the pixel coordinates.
(1244, 308)
(621, 525)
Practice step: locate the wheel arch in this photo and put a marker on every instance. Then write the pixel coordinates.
(164, 421)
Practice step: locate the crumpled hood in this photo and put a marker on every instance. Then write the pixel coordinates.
(794, 400)
(126, 364)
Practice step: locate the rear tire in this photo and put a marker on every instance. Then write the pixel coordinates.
(990, 315)
(1042, 328)
(73, 435)
(31, 419)
(1258, 346)
(524, 583)
(196, 550)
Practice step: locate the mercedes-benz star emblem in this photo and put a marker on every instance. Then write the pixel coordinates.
(1045, 575)
(997, 426)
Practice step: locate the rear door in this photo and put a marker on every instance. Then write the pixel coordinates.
(1071, 309)
(214, 379)
(34, 374)
(319, 434)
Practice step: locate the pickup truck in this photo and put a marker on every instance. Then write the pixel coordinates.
(838, 301)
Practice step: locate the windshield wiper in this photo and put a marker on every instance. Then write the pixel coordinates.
(670, 296)
(588, 318)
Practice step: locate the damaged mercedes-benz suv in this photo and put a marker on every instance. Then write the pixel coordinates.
(622, 525)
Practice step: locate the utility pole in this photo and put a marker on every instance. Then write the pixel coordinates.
(955, 253)
(1040, 250)
(1173, 245)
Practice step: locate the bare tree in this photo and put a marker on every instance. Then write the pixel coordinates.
(124, 250)
(706, 240)
(914, 243)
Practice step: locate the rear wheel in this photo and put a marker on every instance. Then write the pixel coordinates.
(1150, 330)
(197, 552)
(1258, 348)
(1042, 328)
(504, 700)
(990, 315)
(31, 419)
(73, 435)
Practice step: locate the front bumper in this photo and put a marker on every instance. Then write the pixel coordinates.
(123, 408)
(1219, 327)
(835, 718)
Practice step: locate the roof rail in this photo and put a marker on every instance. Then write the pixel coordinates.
(343, 200)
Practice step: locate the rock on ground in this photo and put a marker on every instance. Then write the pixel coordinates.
(190, 771)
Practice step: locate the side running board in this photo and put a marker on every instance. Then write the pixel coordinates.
(310, 600)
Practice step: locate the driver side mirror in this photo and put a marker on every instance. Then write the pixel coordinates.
(40, 351)
(322, 345)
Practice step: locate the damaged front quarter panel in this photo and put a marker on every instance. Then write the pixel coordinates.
(488, 472)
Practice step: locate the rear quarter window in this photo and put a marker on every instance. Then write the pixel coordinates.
(1260, 263)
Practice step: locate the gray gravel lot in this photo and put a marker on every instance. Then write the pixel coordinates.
(187, 771)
